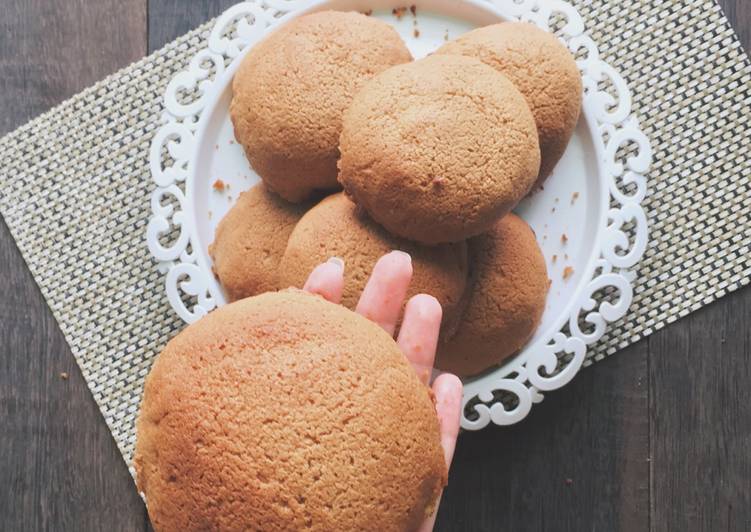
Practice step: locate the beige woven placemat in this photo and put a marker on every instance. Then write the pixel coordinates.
(75, 189)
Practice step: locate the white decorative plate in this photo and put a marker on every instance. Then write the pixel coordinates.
(593, 197)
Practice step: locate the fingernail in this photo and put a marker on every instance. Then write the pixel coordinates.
(403, 253)
(337, 261)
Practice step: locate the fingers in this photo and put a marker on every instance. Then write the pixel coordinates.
(327, 280)
(381, 300)
(418, 337)
(447, 389)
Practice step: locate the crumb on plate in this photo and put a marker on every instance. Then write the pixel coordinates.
(568, 271)
(218, 185)
(574, 197)
(399, 12)
(564, 238)
(416, 33)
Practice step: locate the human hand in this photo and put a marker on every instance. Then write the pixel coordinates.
(381, 302)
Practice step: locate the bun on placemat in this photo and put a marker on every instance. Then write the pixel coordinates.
(439, 149)
(292, 88)
(336, 227)
(542, 68)
(505, 303)
(286, 412)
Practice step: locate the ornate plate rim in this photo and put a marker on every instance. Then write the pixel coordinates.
(610, 121)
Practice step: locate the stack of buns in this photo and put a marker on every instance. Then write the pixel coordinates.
(433, 155)
(281, 411)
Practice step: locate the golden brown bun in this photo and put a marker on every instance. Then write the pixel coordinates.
(439, 149)
(506, 302)
(292, 88)
(337, 228)
(542, 69)
(286, 412)
(250, 240)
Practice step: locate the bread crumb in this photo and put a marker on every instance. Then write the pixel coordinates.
(554, 259)
(565, 256)
(568, 481)
(416, 33)
(556, 200)
(231, 141)
(446, 35)
(574, 197)
(552, 210)
(218, 185)
(413, 10)
(216, 147)
(210, 215)
(564, 238)
(64, 376)
(399, 12)
(568, 271)
(368, 12)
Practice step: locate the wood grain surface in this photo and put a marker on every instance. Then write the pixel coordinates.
(654, 438)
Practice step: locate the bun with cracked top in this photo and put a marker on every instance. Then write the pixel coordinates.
(291, 89)
(286, 412)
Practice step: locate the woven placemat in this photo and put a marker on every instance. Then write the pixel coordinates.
(75, 189)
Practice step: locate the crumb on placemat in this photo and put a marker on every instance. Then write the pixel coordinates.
(568, 271)
(569, 482)
(219, 185)
(399, 12)
(64, 375)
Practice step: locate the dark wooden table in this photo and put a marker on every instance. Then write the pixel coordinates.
(657, 437)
